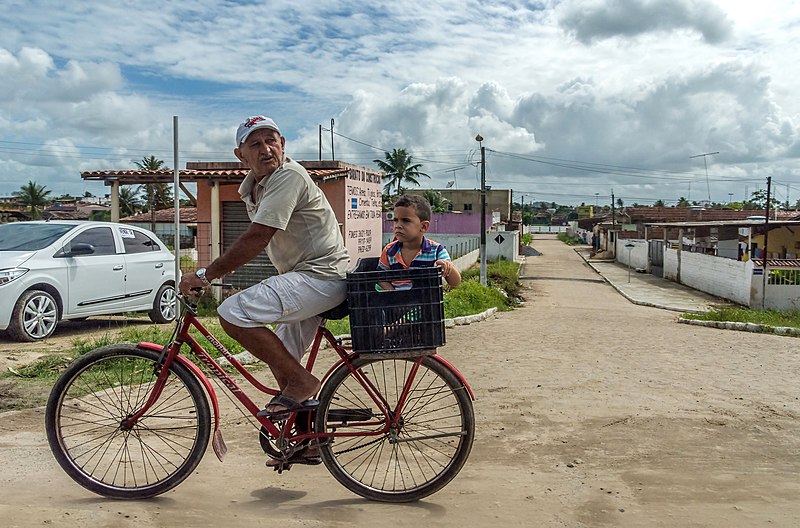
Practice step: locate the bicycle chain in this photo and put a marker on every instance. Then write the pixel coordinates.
(381, 439)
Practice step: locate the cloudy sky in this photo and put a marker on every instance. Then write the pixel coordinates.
(574, 98)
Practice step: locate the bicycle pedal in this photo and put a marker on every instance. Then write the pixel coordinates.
(281, 468)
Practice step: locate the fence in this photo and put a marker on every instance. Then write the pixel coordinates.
(457, 245)
(545, 229)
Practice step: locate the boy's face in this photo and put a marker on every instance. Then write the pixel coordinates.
(407, 225)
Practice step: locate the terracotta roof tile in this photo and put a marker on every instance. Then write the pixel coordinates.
(188, 216)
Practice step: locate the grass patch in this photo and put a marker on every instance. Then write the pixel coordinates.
(471, 298)
(502, 276)
(746, 315)
(569, 240)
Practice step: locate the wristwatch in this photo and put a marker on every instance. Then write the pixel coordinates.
(201, 274)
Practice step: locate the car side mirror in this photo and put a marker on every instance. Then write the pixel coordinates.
(77, 249)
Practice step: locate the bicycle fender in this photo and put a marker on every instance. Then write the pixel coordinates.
(455, 371)
(437, 357)
(183, 360)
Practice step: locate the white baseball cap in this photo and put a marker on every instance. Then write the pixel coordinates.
(254, 123)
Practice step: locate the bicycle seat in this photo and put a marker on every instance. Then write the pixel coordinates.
(338, 312)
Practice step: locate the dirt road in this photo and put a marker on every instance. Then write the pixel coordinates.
(591, 411)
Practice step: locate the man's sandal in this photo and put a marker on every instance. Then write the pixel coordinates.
(300, 457)
(289, 406)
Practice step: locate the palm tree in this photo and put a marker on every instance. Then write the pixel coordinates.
(33, 197)
(399, 167)
(152, 190)
(438, 202)
(129, 201)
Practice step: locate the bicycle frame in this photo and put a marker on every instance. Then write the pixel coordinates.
(171, 352)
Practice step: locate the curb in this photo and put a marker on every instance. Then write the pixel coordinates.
(631, 299)
(743, 327)
(246, 358)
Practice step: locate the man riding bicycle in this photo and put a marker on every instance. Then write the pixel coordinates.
(290, 218)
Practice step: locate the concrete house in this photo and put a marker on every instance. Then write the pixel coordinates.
(725, 258)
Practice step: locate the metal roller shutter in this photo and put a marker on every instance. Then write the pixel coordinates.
(235, 222)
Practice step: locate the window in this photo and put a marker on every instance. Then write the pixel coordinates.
(101, 238)
(468, 207)
(137, 242)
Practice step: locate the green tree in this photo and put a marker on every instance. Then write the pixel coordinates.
(33, 197)
(683, 202)
(620, 202)
(156, 193)
(438, 202)
(659, 203)
(129, 201)
(759, 200)
(399, 168)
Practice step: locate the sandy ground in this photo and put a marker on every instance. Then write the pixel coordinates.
(591, 411)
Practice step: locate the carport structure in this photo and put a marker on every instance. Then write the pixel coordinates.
(353, 191)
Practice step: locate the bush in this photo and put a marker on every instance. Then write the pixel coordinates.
(569, 240)
(503, 275)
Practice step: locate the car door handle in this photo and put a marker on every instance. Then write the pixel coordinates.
(118, 267)
(159, 265)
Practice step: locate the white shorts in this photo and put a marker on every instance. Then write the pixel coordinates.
(292, 301)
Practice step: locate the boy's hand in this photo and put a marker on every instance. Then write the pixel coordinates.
(446, 266)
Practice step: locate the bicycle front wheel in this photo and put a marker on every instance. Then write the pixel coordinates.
(395, 460)
(84, 418)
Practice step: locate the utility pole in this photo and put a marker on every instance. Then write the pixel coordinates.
(479, 139)
(613, 212)
(320, 142)
(613, 223)
(333, 155)
(764, 251)
(705, 164)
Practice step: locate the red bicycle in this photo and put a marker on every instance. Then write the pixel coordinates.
(132, 421)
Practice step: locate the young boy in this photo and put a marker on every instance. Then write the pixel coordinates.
(411, 249)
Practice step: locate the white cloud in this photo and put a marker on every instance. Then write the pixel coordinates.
(639, 83)
(590, 20)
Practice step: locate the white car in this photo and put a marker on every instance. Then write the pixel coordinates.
(71, 269)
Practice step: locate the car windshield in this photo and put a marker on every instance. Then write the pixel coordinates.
(30, 237)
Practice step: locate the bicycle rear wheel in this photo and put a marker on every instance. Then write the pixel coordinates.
(410, 460)
(96, 393)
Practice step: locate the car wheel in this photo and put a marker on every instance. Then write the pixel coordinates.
(165, 305)
(34, 317)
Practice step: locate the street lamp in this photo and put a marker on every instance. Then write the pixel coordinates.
(479, 139)
(630, 249)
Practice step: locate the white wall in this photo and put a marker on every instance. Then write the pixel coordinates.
(502, 244)
(721, 277)
(638, 253)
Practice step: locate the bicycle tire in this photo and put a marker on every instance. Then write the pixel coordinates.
(419, 459)
(92, 397)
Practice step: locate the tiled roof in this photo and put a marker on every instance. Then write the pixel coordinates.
(783, 263)
(684, 214)
(188, 216)
(192, 174)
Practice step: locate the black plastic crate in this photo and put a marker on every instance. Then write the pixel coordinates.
(395, 321)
